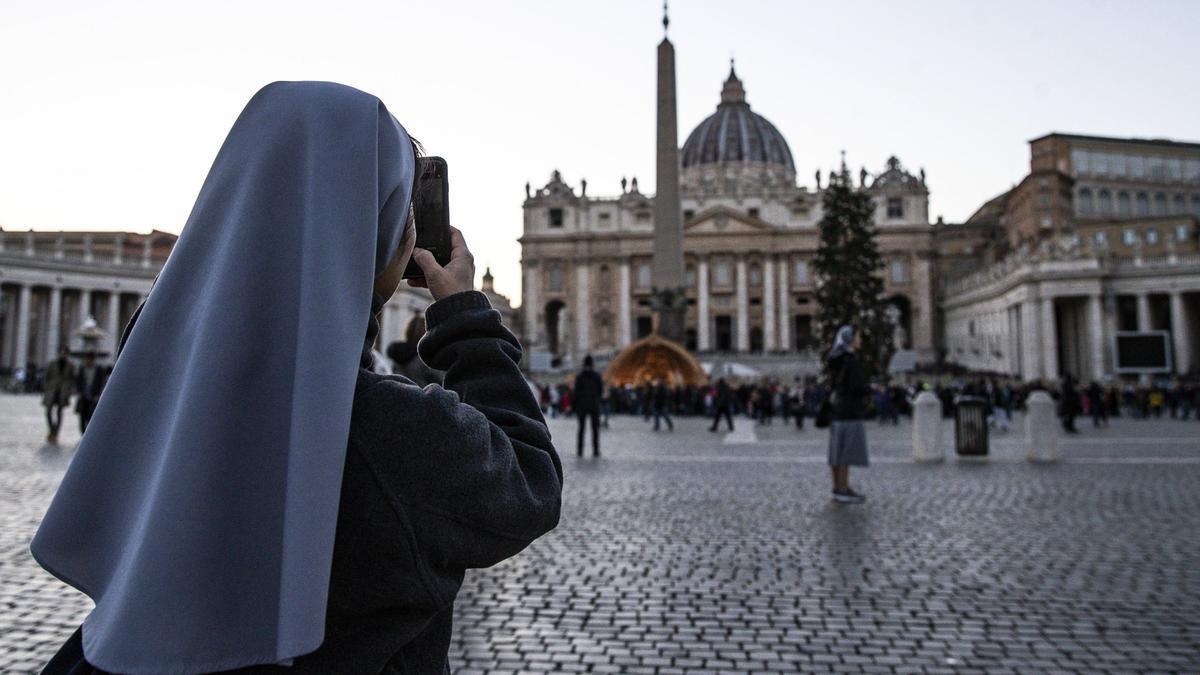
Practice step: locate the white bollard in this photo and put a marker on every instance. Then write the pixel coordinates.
(927, 428)
(1041, 428)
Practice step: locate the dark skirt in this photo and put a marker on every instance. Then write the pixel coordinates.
(848, 443)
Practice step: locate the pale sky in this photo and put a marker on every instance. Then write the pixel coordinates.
(112, 112)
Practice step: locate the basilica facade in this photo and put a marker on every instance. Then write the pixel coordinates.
(750, 235)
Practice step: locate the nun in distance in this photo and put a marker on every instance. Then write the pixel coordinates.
(847, 432)
(250, 495)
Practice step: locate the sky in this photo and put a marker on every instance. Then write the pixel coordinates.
(112, 112)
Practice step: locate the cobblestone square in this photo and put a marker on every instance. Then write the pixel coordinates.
(690, 551)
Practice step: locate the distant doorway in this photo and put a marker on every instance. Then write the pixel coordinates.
(724, 333)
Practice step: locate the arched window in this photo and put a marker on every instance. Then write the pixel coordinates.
(1178, 205)
(1086, 206)
(800, 273)
(1196, 205)
(1106, 205)
(555, 277)
(1143, 204)
(1124, 204)
(1160, 204)
(755, 275)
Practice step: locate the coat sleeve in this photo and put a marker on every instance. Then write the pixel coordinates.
(470, 464)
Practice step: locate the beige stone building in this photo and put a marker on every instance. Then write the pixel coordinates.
(750, 234)
(1100, 238)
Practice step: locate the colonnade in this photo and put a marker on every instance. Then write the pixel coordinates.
(24, 303)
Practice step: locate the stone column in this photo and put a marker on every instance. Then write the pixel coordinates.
(785, 306)
(703, 339)
(118, 249)
(530, 304)
(1096, 329)
(1181, 332)
(54, 322)
(1143, 311)
(114, 327)
(85, 306)
(743, 308)
(923, 310)
(1049, 334)
(29, 245)
(623, 305)
(768, 299)
(583, 338)
(1031, 343)
(26, 299)
(87, 248)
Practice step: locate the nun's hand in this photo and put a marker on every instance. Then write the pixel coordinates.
(457, 276)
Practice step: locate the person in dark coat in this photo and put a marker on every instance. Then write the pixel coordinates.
(660, 402)
(589, 390)
(847, 433)
(304, 514)
(722, 405)
(89, 383)
(1069, 406)
(57, 386)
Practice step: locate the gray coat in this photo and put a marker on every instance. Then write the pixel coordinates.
(58, 383)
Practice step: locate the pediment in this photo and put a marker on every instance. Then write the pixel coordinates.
(724, 220)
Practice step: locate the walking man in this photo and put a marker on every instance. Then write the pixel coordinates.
(722, 403)
(589, 389)
(661, 401)
(56, 392)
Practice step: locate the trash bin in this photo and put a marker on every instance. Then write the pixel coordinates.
(970, 426)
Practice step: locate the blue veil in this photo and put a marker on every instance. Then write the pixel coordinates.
(199, 510)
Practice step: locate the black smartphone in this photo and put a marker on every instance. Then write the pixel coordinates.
(431, 212)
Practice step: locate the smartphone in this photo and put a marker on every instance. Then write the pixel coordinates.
(431, 213)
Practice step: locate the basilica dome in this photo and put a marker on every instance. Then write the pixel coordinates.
(735, 134)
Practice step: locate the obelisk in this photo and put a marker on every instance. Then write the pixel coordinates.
(670, 301)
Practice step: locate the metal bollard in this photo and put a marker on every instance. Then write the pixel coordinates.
(1041, 428)
(927, 428)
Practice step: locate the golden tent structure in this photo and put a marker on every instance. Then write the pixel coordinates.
(654, 358)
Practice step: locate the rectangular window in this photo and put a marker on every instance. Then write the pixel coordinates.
(1128, 237)
(688, 214)
(895, 207)
(605, 217)
(1100, 237)
(753, 213)
(1181, 232)
(899, 272)
(721, 274)
(643, 216)
(556, 217)
(643, 276)
(800, 272)
(1152, 236)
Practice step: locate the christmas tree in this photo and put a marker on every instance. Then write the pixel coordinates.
(848, 272)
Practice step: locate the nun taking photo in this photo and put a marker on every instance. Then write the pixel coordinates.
(250, 494)
(847, 432)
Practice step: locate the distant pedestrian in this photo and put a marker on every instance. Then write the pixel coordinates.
(661, 402)
(57, 386)
(89, 382)
(722, 405)
(847, 433)
(1068, 405)
(589, 390)
(1096, 406)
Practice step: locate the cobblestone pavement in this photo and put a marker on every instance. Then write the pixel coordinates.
(697, 552)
